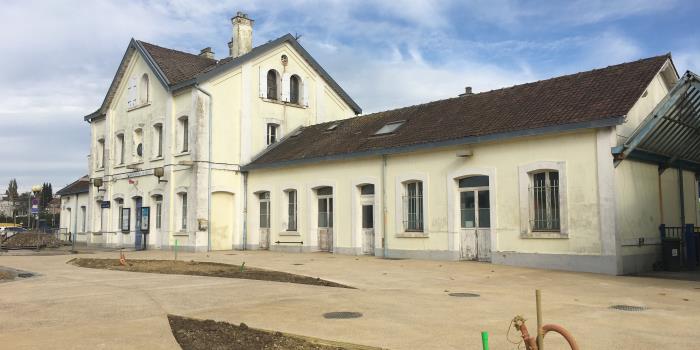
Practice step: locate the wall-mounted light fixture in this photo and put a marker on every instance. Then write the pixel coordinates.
(159, 173)
(97, 183)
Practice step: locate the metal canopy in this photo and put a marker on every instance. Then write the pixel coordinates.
(670, 134)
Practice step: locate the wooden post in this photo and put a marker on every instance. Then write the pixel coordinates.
(538, 301)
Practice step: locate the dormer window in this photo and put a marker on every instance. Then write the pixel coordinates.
(272, 130)
(390, 127)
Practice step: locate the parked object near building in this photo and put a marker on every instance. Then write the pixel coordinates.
(263, 150)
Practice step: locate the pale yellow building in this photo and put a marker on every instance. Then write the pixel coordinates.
(264, 150)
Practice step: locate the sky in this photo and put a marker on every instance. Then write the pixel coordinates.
(59, 57)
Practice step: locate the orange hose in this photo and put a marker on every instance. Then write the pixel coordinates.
(563, 332)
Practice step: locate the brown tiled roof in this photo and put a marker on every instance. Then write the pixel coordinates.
(178, 66)
(81, 185)
(577, 99)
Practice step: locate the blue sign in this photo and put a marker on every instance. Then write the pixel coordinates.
(35, 210)
(105, 204)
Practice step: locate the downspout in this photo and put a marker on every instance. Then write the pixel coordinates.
(682, 195)
(384, 233)
(196, 86)
(245, 210)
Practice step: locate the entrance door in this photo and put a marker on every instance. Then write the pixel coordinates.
(475, 219)
(325, 219)
(138, 238)
(264, 220)
(222, 221)
(368, 229)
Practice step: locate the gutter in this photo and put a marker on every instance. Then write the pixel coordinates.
(196, 86)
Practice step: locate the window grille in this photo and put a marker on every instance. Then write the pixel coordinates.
(544, 201)
(413, 206)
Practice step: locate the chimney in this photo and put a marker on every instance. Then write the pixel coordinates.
(206, 52)
(242, 37)
(467, 91)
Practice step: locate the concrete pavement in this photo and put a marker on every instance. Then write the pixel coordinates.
(404, 303)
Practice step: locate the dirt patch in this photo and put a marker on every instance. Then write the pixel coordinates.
(194, 334)
(31, 240)
(197, 268)
(6, 276)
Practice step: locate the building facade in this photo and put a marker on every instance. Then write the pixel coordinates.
(194, 121)
(263, 150)
(73, 209)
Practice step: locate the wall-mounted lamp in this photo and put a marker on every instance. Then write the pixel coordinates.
(97, 183)
(159, 173)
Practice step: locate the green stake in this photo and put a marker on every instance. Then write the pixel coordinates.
(485, 340)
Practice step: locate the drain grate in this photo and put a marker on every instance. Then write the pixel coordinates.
(342, 315)
(631, 308)
(25, 275)
(464, 295)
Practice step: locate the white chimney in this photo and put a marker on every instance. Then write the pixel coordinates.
(242, 37)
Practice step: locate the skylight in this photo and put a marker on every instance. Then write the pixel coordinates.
(389, 127)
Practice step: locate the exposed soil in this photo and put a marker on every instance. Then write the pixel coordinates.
(31, 240)
(194, 334)
(196, 268)
(6, 276)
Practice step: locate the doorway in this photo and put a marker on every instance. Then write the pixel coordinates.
(325, 218)
(139, 238)
(222, 221)
(475, 218)
(367, 219)
(264, 226)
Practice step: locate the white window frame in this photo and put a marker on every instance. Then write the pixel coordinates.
(525, 173)
(101, 151)
(269, 137)
(183, 210)
(184, 137)
(144, 90)
(121, 148)
(267, 202)
(158, 140)
(138, 139)
(295, 208)
(400, 214)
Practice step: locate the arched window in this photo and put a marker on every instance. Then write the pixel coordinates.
(272, 78)
(294, 88)
(143, 90)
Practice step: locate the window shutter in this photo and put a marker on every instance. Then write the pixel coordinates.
(132, 92)
(305, 92)
(263, 82)
(285, 87)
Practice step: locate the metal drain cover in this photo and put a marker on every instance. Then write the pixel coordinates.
(342, 315)
(628, 308)
(25, 275)
(464, 295)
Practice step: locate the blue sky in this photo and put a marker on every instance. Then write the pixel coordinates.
(59, 57)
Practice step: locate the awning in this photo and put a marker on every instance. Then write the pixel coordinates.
(670, 135)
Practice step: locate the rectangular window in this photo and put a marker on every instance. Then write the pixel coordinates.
(265, 210)
(120, 148)
(159, 213)
(292, 211)
(413, 206)
(101, 153)
(83, 212)
(271, 133)
(125, 219)
(367, 216)
(544, 196)
(184, 124)
(183, 198)
(158, 135)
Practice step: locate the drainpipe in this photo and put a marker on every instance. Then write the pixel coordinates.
(384, 233)
(680, 189)
(245, 210)
(196, 86)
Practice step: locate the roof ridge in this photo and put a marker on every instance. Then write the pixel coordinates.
(667, 55)
(178, 51)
